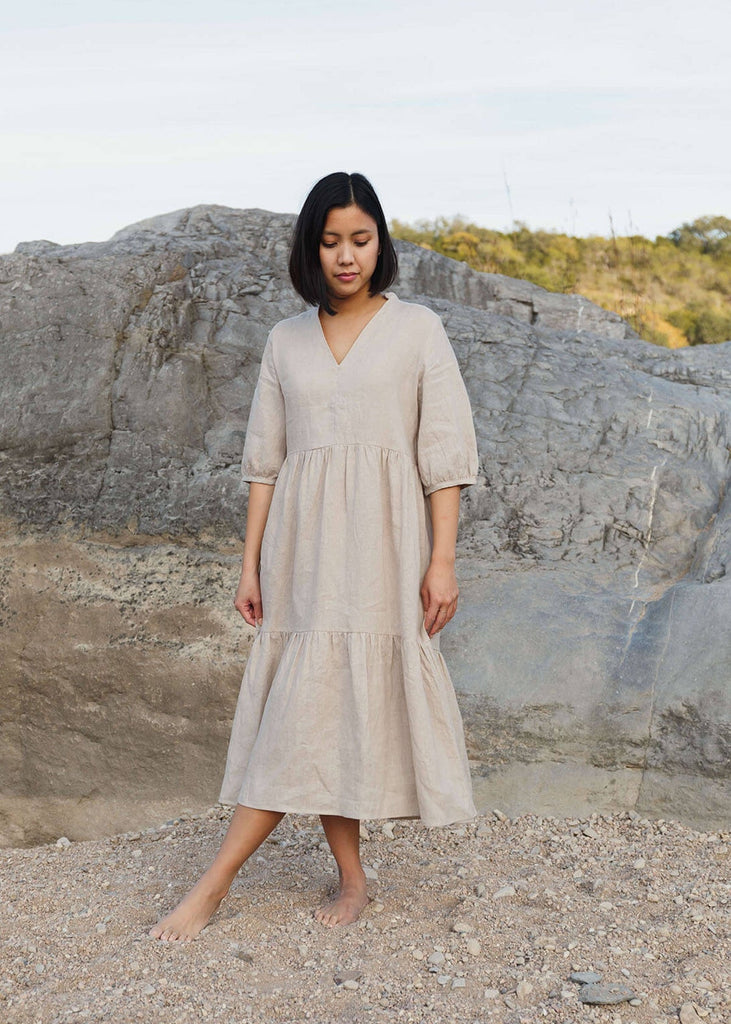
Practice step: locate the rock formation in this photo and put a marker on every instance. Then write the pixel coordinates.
(591, 650)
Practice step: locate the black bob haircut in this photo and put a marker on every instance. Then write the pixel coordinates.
(336, 190)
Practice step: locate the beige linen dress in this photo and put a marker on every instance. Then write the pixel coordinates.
(346, 706)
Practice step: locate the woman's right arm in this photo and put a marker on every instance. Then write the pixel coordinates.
(248, 594)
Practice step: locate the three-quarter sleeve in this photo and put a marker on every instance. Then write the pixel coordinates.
(265, 446)
(446, 446)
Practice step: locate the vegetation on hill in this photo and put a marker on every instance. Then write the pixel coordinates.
(674, 291)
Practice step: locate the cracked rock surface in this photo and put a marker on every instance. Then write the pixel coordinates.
(591, 650)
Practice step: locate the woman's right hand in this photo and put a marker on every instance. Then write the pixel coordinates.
(248, 598)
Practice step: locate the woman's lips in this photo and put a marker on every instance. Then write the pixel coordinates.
(345, 277)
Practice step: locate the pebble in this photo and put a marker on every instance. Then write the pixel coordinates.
(387, 830)
(523, 989)
(461, 927)
(459, 983)
(436, 958)
(343, 977)
(473, 947)
(689, 1015)
(604, 994)
(506, 890)
(63, 842)
(585, 977)
(491, 993)
(442, 979)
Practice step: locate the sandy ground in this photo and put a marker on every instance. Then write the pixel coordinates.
(476, 923)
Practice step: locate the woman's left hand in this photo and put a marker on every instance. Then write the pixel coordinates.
(439, 592)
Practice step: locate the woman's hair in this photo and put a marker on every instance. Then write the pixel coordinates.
(336, 190)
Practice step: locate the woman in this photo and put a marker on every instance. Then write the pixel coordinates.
(359, 440)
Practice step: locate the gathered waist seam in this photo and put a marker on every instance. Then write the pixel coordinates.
(351, 444)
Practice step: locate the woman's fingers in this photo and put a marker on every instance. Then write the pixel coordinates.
(438, 614)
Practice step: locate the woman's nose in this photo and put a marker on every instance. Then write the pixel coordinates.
(345, 255)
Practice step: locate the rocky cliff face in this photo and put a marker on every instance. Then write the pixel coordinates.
(591, 651)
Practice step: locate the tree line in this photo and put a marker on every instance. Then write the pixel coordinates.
(674, 290)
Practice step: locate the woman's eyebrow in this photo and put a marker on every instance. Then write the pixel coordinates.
(360, 231)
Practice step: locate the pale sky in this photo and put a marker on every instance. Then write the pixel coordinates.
(558, 115)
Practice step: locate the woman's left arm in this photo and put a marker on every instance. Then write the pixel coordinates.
(439, 590)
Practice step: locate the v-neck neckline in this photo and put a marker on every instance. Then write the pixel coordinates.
(389, 298)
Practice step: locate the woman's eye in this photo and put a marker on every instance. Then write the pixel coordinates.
(328, 245)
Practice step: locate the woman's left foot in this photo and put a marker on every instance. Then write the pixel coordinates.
(351, 900)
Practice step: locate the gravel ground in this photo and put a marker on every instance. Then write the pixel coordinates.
(477, 923)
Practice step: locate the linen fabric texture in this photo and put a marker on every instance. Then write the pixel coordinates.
(346, 706)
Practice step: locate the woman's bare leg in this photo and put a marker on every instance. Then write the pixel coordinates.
(343, 835)
(248, 829)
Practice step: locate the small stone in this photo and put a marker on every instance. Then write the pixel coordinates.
(491, 993)
(507, 890)
(370, 873)
(148, 990)
(688, 1014)
(436, 958)
(523, 989)
(639, 863)
(247, 958)
(443, 979)
(589, 832)
(418, 954)
(459, 983)
(377, 907)
(101, 928)
(351, 984)
(63, 842)
(340, 977)
(604, 994)
(387, 830)
(499, 815)
(461, 927)
(585, 977)
(473, 947)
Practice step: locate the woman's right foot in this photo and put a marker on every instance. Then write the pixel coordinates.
(190, 916)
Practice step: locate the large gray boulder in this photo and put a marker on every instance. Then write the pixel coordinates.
(592, 646)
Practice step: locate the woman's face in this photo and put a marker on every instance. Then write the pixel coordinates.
(348, 251)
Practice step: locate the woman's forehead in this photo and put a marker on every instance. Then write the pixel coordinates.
(349, 220)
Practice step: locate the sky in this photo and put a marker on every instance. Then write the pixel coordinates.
(574, 116)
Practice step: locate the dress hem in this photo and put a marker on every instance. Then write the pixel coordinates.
(360, 817)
